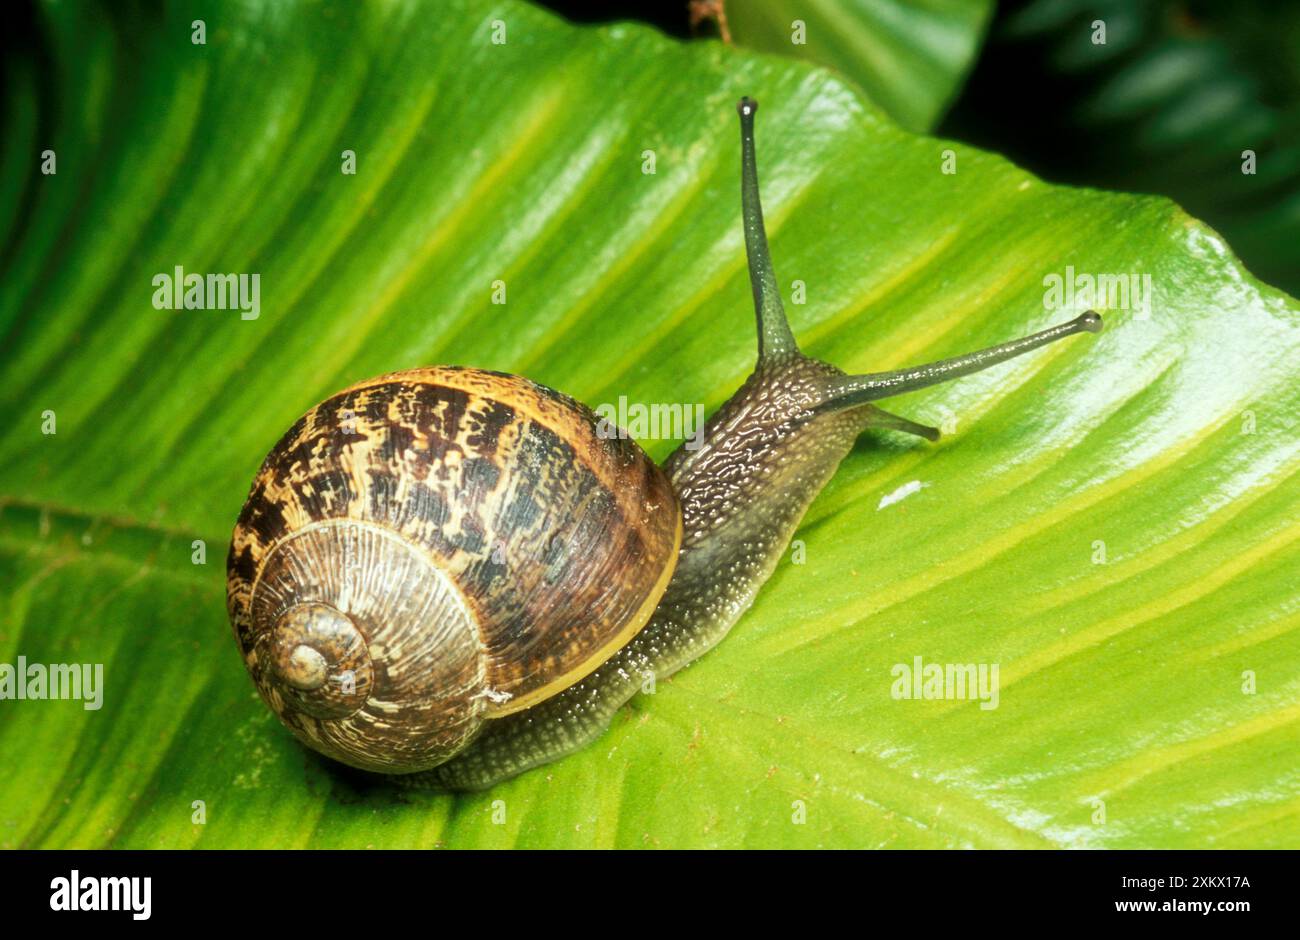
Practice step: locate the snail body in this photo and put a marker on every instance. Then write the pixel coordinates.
(453, 574)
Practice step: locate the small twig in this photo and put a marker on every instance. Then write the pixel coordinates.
(702, 10)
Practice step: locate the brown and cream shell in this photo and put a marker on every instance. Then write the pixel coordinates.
(430, 549)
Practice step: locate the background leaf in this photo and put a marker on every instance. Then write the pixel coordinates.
(1168, 104)
(1171, 439)
(909, 56)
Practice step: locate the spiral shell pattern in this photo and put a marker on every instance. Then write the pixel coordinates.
(431, 549)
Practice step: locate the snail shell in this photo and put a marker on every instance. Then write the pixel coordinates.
(430, 549)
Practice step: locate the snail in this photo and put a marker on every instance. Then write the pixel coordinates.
(454, 575)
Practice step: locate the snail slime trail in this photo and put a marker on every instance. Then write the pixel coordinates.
(454, 575)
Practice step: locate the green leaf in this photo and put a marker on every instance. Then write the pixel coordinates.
(909, 56)
(1168, 442)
